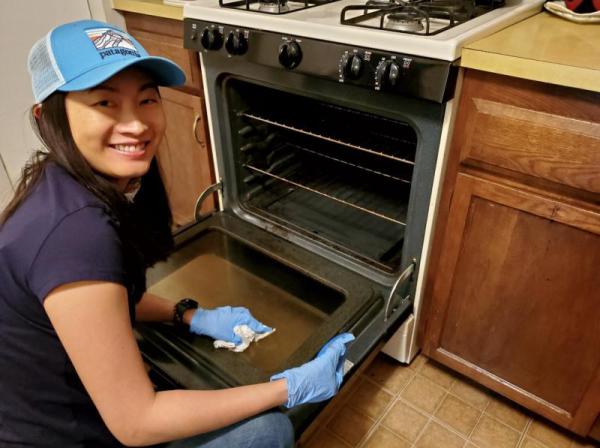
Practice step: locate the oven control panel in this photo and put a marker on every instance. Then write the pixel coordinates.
(381, 71)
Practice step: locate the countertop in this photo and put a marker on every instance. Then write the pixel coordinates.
(543, 48)
(150, 7)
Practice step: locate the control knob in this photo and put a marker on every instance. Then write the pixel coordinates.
(290, 54)
(352, 65)
(387, 74)
(212, 39)
(236, 43)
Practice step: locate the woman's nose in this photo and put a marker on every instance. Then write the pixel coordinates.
(131, 124)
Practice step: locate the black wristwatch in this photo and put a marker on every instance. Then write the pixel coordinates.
(181, 307)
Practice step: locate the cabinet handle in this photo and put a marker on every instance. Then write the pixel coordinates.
(195, 129)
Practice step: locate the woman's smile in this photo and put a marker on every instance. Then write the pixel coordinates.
(130, 149)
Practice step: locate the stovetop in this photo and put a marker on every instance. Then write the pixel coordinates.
(324, 22)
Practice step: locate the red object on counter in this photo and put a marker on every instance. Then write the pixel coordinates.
(583, 6)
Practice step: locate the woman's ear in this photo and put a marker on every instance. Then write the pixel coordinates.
(37, 111)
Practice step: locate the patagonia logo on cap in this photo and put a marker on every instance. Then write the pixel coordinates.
(110, 42)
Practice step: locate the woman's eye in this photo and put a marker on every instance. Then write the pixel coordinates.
(149, 101)
(103, 103)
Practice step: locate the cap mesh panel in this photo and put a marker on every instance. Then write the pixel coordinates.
(45, 76)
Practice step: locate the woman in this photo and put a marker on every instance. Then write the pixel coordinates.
(87, 219)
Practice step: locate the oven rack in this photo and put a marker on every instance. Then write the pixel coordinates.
(394, 156)
(269, 151)
(327, 186)
(346, 163)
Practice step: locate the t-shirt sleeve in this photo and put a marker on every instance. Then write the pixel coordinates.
(84, 245)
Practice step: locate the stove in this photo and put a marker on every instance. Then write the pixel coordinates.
(329, 123)
(433, 28)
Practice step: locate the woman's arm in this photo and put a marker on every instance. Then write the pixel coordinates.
(92, 322)
(152, 308)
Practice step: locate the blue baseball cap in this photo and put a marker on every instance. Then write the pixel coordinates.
(80, 55)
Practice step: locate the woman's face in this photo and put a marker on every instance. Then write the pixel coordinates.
(118, 124)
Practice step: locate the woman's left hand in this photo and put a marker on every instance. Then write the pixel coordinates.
(219, 323)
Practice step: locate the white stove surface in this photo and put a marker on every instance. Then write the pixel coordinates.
(323, 22)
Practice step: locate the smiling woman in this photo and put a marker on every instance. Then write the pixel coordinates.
(89, 216)
(118, 125)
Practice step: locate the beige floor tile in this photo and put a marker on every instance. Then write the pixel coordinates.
(438, 374)
(508, 413)
(325, 439)
(436, 436)
(405, 421)
(490, 433)
(528, 442)
(350, 425)
(423, 393)
(384, 438)
(548, 435)
(370, 399)
(458, 414)
(418, 362)
(389, 373)
(472, 393)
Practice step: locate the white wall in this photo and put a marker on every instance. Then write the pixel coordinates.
(23, 22)
(5, 186)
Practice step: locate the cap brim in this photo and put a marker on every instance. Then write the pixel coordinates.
(162, 70)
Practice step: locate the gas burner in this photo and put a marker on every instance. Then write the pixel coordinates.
(404, 21)
(273, 7)
(421, 17)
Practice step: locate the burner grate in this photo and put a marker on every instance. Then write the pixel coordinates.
(420, 17)
(273, 6)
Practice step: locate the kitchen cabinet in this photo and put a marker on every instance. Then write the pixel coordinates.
(512, 297)
(184, 156)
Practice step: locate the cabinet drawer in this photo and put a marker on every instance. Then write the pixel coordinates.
(164, 37)
(531, 130)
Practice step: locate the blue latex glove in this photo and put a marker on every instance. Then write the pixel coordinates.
(219, 322)
(319, 379)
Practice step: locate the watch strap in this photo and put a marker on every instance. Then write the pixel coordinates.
(180, 308)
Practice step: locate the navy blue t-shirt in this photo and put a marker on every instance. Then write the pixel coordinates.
(61, 234)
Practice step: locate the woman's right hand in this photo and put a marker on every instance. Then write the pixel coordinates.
(319, 379)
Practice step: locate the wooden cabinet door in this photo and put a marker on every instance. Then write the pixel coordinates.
(164, 37)
(183, 156)
(516, 299)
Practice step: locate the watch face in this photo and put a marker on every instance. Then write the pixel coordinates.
(181, 307)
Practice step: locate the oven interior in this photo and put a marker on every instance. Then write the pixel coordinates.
(339, 175)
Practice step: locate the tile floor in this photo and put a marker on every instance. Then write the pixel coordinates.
(425, 405)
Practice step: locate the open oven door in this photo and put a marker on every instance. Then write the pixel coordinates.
(225, 260)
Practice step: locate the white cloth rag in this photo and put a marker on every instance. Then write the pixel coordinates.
(246, 334)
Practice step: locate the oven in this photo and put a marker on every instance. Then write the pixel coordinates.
(326, 155)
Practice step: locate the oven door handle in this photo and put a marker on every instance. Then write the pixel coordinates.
(403, 277)
(203, 196)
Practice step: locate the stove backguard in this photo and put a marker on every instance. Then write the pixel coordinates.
(334, 174)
